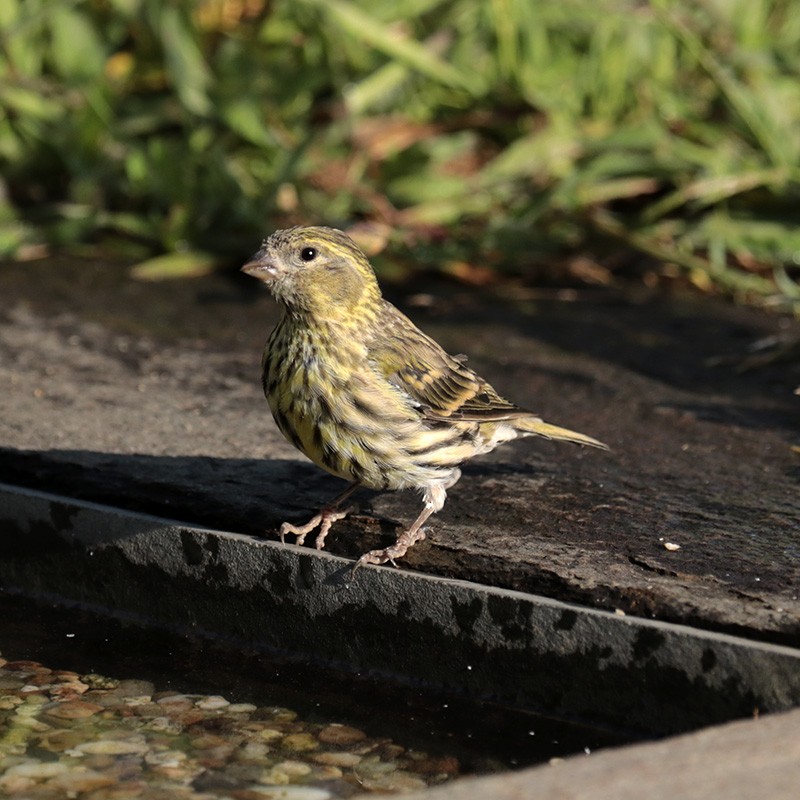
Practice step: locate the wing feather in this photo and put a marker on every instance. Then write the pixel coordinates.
(440, 385)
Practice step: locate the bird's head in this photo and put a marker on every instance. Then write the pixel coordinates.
(317, 271)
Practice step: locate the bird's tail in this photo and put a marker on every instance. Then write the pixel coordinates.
(538, 427)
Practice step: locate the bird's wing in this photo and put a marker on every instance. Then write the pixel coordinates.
(440, 385)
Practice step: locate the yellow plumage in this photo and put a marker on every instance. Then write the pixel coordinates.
(367, 396)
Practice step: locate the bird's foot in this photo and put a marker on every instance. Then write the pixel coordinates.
(405, 540)
(323, 521)
(328, 518)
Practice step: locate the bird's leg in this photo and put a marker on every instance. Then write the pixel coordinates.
(434, 500)
(407, 538)
(326, 517)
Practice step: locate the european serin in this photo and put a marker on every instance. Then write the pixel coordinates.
(367, 396)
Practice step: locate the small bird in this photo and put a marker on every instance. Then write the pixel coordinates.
(364, 393)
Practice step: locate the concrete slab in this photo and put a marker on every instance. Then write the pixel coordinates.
(748, 760)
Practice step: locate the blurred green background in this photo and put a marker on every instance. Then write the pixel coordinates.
(602, 139)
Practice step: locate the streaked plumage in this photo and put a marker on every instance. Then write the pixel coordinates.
(367, 396)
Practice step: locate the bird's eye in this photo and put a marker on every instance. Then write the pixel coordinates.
(308, 253)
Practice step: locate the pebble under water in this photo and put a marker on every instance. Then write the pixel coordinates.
(96, 708)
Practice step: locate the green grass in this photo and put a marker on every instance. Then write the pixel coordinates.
(504, 133)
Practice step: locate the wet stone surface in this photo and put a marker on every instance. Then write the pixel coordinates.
(89, 736)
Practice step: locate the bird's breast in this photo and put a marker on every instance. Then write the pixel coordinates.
(331, 404)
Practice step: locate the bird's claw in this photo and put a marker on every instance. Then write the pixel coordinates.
(389, 554)
(299, 531)
(323, 521)
(329, 516)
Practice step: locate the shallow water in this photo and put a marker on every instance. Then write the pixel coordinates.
(103, 708)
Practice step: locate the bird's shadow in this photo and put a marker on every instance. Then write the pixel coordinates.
(244, 495)
(240, 495)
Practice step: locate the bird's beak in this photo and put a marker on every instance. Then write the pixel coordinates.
(261, 266)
